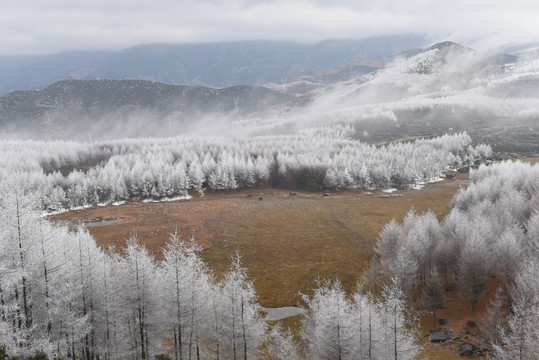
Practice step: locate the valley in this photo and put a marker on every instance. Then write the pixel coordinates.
(385, 172)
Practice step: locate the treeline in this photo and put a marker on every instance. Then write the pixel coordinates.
(492, 230)
(69, 175)
(62, 296)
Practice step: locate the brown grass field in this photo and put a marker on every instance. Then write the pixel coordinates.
(285, 242)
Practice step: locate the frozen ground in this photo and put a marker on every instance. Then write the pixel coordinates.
(282, 312)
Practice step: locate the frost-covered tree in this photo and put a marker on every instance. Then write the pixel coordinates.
(327, 325)
(519, 338)
(281, 345)
(336, 327)
(373, 274)
(433, 295)
(494, 318)
(472, 276)
(533, 233)
(185, 288)
(389, 242)
(243, 328)
(400, 339)
(138, 274)
(144, 168)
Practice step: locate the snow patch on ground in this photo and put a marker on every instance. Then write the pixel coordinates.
(417, 186)
(107, 203)
(167, 199)
(435, 180)
(422, 184)
(282, 312)
(391, 190)
(64, 210)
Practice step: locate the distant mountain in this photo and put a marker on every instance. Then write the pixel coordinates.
(68, 108)
(37, 72)
(442, 88)
(313, 80)
(469, 61)
(209, 64)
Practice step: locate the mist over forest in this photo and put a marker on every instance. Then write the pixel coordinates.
(442, 89)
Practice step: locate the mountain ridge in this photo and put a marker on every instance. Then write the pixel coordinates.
(75, 102)
(206, 64)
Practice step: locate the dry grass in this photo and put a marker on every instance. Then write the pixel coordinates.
(285, 242)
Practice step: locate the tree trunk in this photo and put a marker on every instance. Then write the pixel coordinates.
(395, 330)
(243, 329)
(178, 346)
(45, 276)
(81, 267)
(27, 316)
(370, 333)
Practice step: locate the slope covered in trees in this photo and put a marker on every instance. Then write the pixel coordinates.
(492, 230)
(103, 108)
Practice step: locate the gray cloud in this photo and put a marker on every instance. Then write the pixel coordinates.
(47, 26)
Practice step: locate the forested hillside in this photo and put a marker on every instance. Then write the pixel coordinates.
(104, 108)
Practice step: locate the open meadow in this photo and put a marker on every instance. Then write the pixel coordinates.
(286, 241)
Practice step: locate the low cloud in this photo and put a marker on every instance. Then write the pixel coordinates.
(59, 25)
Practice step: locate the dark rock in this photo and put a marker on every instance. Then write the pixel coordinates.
(466, 330)
(442, 321)
(467, 350)
(440, 335)
(471, 324)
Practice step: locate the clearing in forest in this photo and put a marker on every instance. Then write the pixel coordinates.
(286, 241)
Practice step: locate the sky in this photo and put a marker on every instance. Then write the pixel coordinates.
(51, 26)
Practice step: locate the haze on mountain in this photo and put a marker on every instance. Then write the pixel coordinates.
(216, 64)
(201, 42)
(443, 88)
